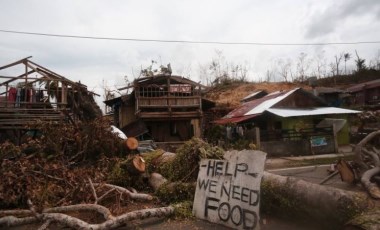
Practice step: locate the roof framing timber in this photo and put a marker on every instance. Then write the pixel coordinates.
(47, 75)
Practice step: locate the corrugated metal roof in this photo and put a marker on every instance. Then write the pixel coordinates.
(255, 95)
(257, 107)
(260, 108)
(246, 107)
(327, 90)
(310, 112)
(367, 85)
(224, 121)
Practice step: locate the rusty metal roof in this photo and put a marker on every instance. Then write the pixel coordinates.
(235, 119)
(364, 85)
(257, 107)
(248, 106)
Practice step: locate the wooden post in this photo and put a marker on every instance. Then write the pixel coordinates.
(64, 96)
(137, 98)
(335, 138)
(6, 95)
(257, 135)
(26, 82)
(168, 96)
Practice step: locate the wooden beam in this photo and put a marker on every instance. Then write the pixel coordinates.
(17, 78)
(15, 63)
(126, 87)
(165, 115)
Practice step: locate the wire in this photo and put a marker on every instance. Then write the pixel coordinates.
(190, 41)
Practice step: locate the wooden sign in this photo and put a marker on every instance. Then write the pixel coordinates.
(228, 191)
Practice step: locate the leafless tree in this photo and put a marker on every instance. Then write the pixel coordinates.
(338, 59)
(285, 68)
(303, 65)
(332, 68)
(269, 75)
(221, 70)
(375, 62)
(321, 64)
(203, 75)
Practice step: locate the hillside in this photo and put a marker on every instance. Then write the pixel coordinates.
(229, 95)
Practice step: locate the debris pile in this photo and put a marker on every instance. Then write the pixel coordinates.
(62, 170)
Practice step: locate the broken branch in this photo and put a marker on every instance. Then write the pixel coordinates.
(372, 188)
(134, 196)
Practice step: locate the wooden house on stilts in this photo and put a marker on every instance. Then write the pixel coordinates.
(167, 108)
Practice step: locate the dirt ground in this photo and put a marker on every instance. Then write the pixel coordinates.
(267, 223)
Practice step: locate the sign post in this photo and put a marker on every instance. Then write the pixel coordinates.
(228, 191)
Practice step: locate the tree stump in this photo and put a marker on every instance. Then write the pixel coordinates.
(131, 143)
(135, 165)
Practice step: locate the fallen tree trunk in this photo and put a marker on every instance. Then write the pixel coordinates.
(368, 160)
(289, 197)
(171, 192)
(156, 180)
(372, 188)
(366, 220)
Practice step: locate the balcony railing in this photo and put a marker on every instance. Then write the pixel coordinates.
(159, 102)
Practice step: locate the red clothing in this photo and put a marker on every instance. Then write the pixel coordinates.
(12, 92)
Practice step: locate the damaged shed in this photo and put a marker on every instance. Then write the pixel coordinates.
(169, 109)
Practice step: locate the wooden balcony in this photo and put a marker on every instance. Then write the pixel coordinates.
(171, 115)
(166, 102)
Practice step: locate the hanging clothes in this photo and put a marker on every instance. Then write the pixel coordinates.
(12, 93)
(18, 97)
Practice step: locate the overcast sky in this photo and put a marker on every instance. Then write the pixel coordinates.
(95, 61)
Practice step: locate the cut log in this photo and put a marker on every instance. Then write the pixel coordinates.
(131, 143)
(165, 158)
(135, 165)
(288, 197)
(156, 180)
(345, 171)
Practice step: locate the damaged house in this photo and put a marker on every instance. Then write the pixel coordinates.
(34, 94)
(168, 109)
(365, 95)
(293, 122)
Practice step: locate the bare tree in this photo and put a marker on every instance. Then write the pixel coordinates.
(219, 68)
(332, 69)
(285, 68)
(321, 64)
(338, 59)
(203, 75)
(375, 62)
(303, 65)
(269, 75)
(223, 71)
